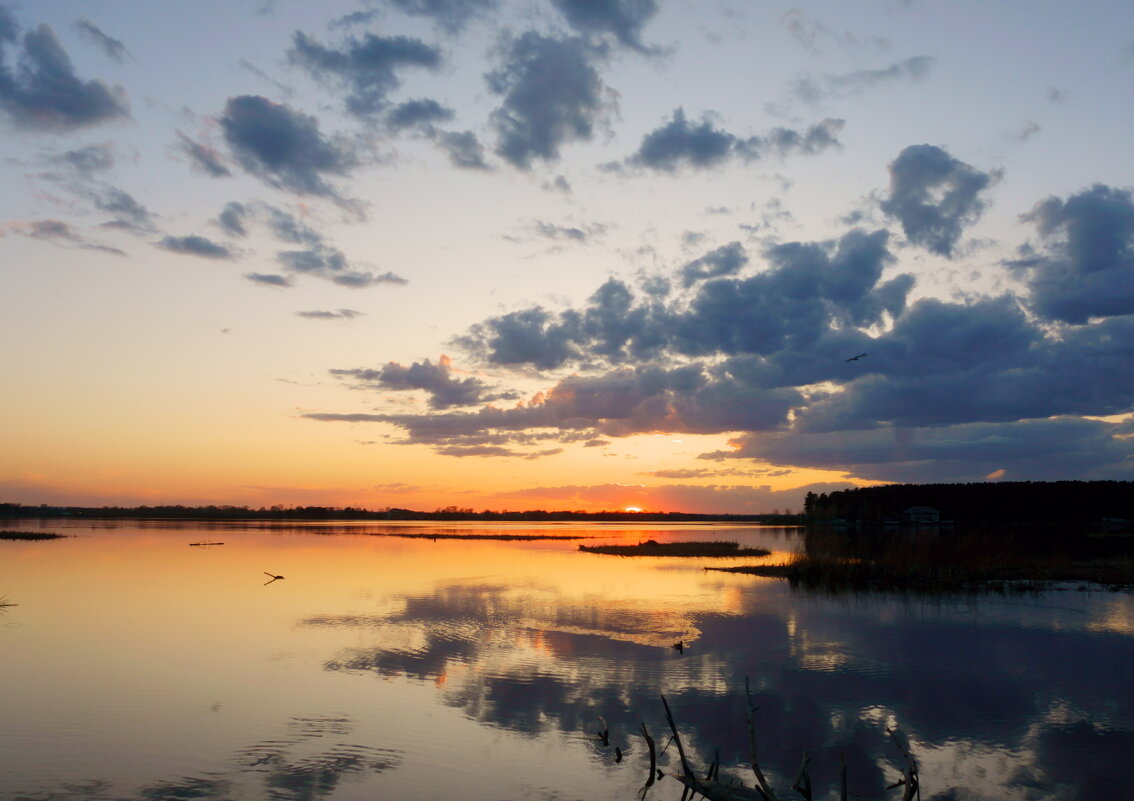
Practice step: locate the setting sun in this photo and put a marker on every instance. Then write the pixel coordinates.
(633, 508)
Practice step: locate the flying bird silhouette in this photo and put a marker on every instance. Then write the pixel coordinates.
(273, 577)
(856, 358)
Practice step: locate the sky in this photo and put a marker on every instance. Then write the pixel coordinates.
(561, 254)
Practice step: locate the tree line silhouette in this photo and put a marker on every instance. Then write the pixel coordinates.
(449, 513)
(1004, 503)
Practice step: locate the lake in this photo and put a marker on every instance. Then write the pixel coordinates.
(404, 661)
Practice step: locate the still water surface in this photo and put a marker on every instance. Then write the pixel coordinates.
(138, 667)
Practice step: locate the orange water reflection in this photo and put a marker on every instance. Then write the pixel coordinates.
(383, 665)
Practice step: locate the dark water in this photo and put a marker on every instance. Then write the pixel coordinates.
(136, 666)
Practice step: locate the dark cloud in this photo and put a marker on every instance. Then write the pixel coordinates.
(464, 149)
(725, 260)
(1085, 266)
(269, 279)
(89, 160)
(195, 246)
(810, 290)
(44, 93)
(337, 314)
(619, 403)
(318, 257)
(60, 233)
(232, 218)
(365, 68)
(758, 345)
(111, 47)
(203, 157)
(421, 113)
(622, 19)
(330, 263)
(680, 143)
(437, 380)
(129, 214)
(283, 146)
(1037, 450)
(552, 94)
(934, 196)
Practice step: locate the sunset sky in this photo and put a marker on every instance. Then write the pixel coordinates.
(561, 254)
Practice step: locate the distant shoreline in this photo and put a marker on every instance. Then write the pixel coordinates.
(326, 513)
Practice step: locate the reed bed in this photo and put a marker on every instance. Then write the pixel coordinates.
(30, 535)
(717, 549)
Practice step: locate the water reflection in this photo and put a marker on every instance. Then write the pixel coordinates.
(1007, 706)
(391, 666)
(307, 764)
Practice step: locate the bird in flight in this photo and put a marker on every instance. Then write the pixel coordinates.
(273, 577)
(856, 358)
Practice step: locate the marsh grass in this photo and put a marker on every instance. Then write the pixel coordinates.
(716, 548)
(951, 562)
(30, 535)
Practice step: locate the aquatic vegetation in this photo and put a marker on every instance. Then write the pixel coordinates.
(848, 574)
(710, 785)
(30, 535)
(685, 549)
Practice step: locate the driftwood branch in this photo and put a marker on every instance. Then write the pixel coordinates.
(761, 781)
(714, 790)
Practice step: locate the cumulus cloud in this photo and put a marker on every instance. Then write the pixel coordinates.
(551, 94)
(193, 245)
(365, 69)
(1084, 267)
(111, 47)
(934, 197)
(680, 143)
(755, 344)
(464, 149)
(421, 113)
(618, 403)
(725, 260)
(437, 380)
(810, 290)
(621, 19)
(283, 146)
(44, 93)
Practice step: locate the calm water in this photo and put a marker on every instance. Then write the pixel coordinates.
(136, 666)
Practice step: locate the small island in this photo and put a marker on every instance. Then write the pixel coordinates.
(683, 549)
